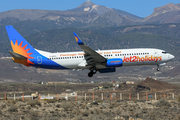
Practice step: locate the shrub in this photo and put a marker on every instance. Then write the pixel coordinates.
(79, 117)
(58, 105)
(51, 100)
(13, 108)
(76, 111)
(67, 106)
(178, 99)
(12, 101)
(34, 103)
(85, 113)
(163, 102)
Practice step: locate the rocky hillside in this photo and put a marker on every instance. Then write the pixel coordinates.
(154, 85)
(169, 13)
(88, 15)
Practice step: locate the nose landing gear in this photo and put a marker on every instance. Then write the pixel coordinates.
(158, 69)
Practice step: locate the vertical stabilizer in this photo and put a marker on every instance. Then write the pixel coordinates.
(19, 44)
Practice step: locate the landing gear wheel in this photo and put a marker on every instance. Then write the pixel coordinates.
(158, 69)
(90, 74)
(94, 71)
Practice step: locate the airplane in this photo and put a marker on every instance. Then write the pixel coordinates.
(104, 61)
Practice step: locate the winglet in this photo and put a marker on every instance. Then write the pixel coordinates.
(78, 39)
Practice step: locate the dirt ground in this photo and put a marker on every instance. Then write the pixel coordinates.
(89, 110)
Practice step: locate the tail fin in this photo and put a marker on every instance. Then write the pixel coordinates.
(19, 44)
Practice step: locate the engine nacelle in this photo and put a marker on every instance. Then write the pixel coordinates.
(116, 62)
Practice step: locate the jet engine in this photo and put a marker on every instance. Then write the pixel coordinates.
(117, 62)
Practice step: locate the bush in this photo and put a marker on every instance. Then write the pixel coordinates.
(163, 102)
(85, 113)
(58, 105)
(76, 111)
(67, 106)
(79, 117)
(178, 99)
(12, 108)
(34, 103)
(51, 100)
(12, 101)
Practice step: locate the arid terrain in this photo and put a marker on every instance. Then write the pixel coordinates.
(90, 110)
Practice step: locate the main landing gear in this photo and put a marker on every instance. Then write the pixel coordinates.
(92, 72)
(158, 69)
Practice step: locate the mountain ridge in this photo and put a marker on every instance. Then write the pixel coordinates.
(169, 13)
(88, 13)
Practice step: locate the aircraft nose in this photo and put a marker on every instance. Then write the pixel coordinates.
(171, 56)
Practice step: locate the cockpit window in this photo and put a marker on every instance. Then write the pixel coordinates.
(164, 52)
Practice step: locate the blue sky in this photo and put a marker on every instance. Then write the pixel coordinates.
(141, 8)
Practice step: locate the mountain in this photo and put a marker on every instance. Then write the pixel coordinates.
(101, 10)
(87, 15)
(169, 13)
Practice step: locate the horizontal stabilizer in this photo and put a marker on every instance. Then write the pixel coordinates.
(17, 56)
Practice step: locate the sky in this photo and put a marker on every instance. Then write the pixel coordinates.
(141, 8)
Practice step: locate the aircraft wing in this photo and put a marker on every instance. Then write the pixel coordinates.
(92, 57)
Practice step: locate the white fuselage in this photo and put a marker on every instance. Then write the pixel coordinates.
(130, 57)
